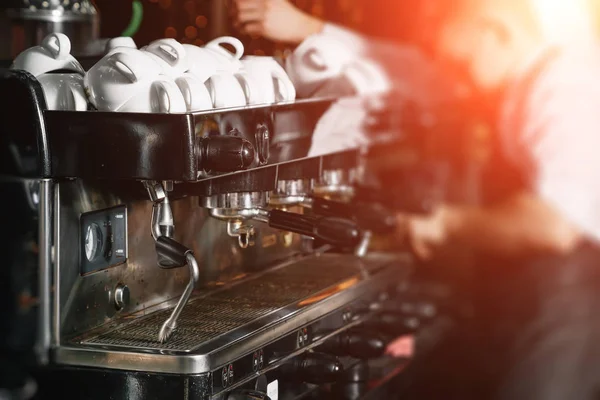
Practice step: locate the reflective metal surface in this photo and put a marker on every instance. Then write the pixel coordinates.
(34, 19)
(336, 181)
(167, 328)
(236, 201)
(292, 191)
(213, 353)
(45, 269)
(150, 141)
(85, 302)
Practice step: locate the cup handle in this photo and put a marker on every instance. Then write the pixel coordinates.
(235, 42)
(210, 86)
(183, 82)
(166, 95)
(284, 82)
(77, 98)
(243, 80)
(71, 99)
(162, 100)
(315, 58)
(128, 65)
(58, 44)
(173, 52)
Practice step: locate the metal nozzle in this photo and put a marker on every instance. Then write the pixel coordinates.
(169, 326)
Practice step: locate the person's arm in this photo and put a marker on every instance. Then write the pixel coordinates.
(522, 224)
(281, 21)
(276, 20)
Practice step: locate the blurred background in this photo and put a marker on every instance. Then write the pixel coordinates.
(198, 21)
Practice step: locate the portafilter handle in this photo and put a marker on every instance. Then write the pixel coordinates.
(335, 231)
(172, 254)
(357, 343)
(224, 153)
(369, 216)
(318, 368)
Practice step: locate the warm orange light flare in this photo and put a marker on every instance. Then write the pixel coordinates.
(330, 292)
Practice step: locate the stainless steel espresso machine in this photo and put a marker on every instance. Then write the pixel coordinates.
(184, 256)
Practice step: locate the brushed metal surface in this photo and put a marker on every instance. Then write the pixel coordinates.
(86, 302)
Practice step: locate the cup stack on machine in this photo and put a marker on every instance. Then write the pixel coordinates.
(163, 77)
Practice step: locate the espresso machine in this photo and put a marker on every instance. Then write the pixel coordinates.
(180, 256)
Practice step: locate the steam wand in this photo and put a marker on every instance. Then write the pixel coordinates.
(171, 254)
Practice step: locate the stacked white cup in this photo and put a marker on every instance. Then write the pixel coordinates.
(323, 58)
(59, 73)
(163, 77)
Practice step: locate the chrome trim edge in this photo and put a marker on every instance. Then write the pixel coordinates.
(56, 270)
(44, 338)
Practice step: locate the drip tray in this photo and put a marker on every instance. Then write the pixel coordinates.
(219, 313)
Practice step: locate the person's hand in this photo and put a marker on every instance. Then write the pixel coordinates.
(401, 347)
(276, 20)
(426, 234)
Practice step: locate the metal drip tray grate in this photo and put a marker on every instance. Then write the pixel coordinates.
(208, 317)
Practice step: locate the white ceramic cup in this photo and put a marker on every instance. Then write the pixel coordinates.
(319, 58)
(131, 81)
(175, 63)
(226, 60)
(202, 63)
(54, 53)
(64, 91)
(170, 55)
(118, 43)
(271, 81)
(161, 96)
(195, 93)
(229, 90)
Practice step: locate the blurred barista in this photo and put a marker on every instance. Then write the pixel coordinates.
(538, 335)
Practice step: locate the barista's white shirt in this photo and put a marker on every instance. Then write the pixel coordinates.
(382, 66)
(341, 127)
(556, 133)
(355, 41)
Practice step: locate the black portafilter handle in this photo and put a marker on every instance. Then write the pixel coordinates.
(370, 216)
(421, 309)
(171, 253)
(357, 343)
(224, 153)
(317, 368)
(335, 231)
(393, 323)
(244, 394)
